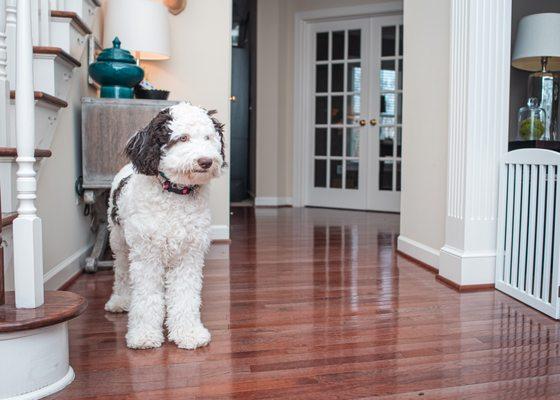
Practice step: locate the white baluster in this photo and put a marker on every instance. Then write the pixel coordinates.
(11, 37)
(44, 22)
(27, 230)
(4, 84)
(35, 32)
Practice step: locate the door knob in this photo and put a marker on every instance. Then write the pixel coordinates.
(233, 99)
(373, 122)
(362, 122)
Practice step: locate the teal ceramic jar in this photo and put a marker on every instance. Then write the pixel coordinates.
(116, 71)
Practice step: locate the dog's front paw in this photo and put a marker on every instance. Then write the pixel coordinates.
(144, 339)
(117, 304)
(190, 338)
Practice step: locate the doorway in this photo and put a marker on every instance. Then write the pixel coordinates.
(354, 128)
(243, 94)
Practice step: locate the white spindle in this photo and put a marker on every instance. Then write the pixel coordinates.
(11, 37)
(4, 84)
(44, 22)
(35, 22)
(27, 231)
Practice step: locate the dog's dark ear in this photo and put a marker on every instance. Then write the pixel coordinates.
(220, 129)
(144, 148)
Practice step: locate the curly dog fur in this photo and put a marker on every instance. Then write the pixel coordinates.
(159, 236)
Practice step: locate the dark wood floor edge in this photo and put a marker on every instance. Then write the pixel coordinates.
(465, 288)
(57, 51)
(422, 264)
(74, 17)
(70, 281)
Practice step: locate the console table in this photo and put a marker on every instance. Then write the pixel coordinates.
(106, 126)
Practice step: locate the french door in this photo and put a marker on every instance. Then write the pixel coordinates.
(355, 127)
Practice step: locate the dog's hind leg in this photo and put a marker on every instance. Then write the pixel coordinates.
(183, 287)
(147, 306)
(120, 299)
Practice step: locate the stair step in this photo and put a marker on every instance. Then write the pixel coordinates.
(75, 19)
(45, 98)
(12, 152)
(8, 218)
(57, 51)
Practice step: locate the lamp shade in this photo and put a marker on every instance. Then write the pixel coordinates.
(141, 25)
(538, 35)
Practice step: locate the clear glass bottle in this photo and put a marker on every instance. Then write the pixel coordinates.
(531, 122)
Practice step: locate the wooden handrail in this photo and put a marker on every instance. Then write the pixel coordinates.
(12, 152)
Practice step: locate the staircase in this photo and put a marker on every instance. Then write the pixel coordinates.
(41, 45)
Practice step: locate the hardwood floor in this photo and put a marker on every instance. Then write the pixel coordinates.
(316, 304)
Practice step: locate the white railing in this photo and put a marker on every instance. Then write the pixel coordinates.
(528, 251)
(27, 229)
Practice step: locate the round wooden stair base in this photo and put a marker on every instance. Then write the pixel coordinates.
(34, 346)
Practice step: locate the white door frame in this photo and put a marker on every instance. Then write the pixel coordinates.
(302, 110)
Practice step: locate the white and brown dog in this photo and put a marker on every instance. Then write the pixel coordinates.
(159, 221)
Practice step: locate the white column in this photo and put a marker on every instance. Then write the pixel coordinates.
(28, 247)
(478, 135)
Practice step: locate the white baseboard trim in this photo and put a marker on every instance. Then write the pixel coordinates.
(421, 252)
(219, 232)
(66, 269)
(273, 201)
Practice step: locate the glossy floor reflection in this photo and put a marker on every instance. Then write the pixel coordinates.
(315, 304)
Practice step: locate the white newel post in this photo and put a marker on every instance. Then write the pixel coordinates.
(478, 135)
(28, 247)
(4, 84)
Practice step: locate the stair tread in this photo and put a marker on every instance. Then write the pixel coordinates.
(42, 96)
(58, 307)
(12, 152)
(74, 17)
(58, 52)
(8, 218)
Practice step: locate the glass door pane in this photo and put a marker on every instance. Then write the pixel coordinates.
(390, 107)
(337, 100)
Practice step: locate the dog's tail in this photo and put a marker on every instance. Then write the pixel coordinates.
(119, 183)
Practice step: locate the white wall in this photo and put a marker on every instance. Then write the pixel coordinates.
(200, 71)
(275, 82)
(425, 116)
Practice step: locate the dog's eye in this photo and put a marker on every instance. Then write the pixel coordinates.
(207, 137)
(185, 138)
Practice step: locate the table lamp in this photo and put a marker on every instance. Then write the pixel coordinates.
(141, 25)
(537, 49)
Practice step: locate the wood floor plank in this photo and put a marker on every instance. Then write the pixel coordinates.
(316, 304)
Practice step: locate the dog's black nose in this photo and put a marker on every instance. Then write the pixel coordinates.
(205, 162)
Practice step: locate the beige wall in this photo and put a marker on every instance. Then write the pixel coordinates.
(200, 71)
(425, 116)
(275, 82)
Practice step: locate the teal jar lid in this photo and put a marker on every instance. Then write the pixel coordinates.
(116, 54)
